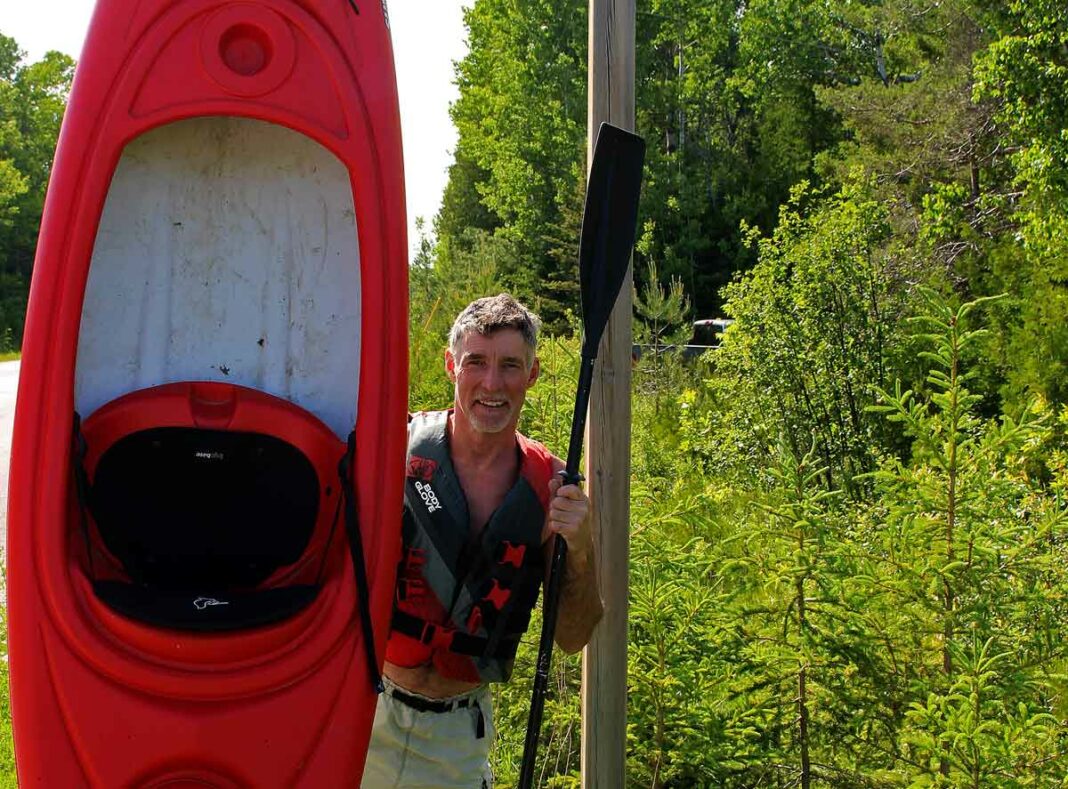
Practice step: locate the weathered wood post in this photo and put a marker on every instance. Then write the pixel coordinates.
(604, 663)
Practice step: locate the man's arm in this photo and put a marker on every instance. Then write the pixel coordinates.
(580, 599)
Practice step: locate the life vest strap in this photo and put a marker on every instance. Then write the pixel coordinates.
(448, 638)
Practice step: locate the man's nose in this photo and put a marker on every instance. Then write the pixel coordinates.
(493, 377)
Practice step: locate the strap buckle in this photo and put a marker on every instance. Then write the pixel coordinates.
(436, 636)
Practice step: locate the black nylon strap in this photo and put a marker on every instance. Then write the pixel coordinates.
(461, 643)
(329, 542)
(359, 568)
(81, 486)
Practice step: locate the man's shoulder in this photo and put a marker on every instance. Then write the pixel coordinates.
(537, 454)
(427, 434)
(533, 445)
(433, 420)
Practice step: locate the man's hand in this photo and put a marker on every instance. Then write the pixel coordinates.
(580, 601)
(569, 510)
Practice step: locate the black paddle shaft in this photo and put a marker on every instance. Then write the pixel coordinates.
(608, 225)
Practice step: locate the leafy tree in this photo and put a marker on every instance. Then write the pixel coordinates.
(32, 100)
(816, 328)
(13, 185)
(918, 129)
(520, 120)
(1024, 72)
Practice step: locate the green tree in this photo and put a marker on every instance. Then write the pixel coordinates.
(1024, 72)
(792, 610)
(680, 725)
(520, 120)
(32, 101)
(816, 328)
(967, 554)
(663, 313)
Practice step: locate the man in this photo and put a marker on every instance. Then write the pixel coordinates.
(482, 504)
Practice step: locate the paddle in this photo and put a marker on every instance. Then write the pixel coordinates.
(608, 226)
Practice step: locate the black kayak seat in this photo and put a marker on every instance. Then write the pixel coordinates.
(199, 519)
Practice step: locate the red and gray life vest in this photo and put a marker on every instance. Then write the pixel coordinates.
(464, 601)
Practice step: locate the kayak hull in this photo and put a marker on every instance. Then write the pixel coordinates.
(135, 288)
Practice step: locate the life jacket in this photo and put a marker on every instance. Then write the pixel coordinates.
(463, 602)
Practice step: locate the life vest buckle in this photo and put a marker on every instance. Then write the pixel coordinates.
(474, 621)
(414, 558)
(427, 636)
(435, 636)
(410, 588)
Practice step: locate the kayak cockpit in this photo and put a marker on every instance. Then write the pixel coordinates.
(206, 506)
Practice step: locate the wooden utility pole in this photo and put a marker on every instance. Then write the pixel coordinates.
(604, 663)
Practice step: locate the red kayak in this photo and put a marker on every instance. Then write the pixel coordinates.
(208, 452)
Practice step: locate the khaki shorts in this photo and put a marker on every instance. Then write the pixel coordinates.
(414, 749)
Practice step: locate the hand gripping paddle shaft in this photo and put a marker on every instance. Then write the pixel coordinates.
(608, 225)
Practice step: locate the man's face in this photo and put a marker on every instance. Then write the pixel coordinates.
(491, 375)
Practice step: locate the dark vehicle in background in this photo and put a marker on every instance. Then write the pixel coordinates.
(705, 337)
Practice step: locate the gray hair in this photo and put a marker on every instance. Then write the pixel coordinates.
(492, 313)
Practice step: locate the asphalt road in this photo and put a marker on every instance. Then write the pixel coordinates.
(9, 381)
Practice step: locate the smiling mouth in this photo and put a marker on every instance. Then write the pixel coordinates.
(492, 403)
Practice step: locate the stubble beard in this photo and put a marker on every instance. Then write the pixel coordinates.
(483, 420)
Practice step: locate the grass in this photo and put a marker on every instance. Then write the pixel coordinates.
(7, 746)
(10, 356)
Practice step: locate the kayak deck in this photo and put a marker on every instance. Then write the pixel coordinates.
(227, 251)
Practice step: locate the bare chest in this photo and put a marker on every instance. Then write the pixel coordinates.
(485, 489)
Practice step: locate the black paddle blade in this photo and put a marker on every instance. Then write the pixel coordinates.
(608, 226)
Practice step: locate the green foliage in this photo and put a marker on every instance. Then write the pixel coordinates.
(7, 745)
(662, 313)
(676, 719)
(725, 96)
(970, 560)
(783, 633)
(1035, 347)
(662, 326)
(790, 571)
(32, 100)
(520, 129)
(12, 186)
(1024, 72)
(817, 327)
(911, 119)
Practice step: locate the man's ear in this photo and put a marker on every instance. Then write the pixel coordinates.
(535, 371)
(450, 365)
